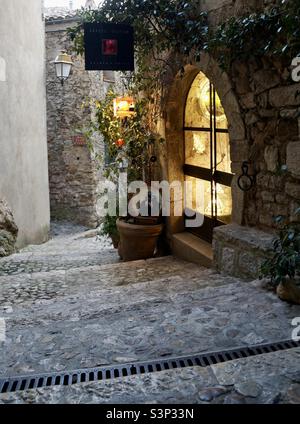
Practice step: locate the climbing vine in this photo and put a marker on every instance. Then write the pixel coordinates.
(171, 33)
(163, 29)
(130, 139)
(272, 33)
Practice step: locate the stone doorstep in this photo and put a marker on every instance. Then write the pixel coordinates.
(188, 247)
(239, 250)
(247, 238)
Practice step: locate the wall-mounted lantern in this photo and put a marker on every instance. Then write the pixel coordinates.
(63, 64)
(124, 107)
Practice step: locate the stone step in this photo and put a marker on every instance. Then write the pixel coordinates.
(73, 248)
(28, 263)
(136, 311)
(43, 286)
(189, 247)
(267, 379)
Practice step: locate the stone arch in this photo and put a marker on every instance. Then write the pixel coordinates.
(175, 108)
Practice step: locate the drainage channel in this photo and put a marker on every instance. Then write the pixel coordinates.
(68, 378)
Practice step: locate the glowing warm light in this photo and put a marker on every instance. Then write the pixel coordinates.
(199, 146)
(204, 101)
(120, 142)
(124, 107)
(222, 203)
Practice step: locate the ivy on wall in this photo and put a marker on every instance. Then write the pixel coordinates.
(176, 26)
(275, 33)
(161, 27)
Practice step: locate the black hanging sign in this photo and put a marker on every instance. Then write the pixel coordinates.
(108, 47)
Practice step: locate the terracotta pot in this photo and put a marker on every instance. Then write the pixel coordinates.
(115, 240)
(289, 291)
(137, 241)
(146, 220)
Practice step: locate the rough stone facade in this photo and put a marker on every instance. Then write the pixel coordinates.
(8, 230)
(240, 251)
(74, 172)
(270, 109)
(262, 106)
(269, 106)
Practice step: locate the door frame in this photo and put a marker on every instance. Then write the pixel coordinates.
(212, 175)
(171, 126)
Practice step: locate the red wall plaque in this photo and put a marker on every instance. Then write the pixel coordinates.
(79, 140)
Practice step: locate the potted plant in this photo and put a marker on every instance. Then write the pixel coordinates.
(109, 228)
(131, 141)
(283, 268)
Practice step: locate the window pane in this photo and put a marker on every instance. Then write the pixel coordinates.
(223, 153)
(224, 204)
(221, 120)
(197, 148)
(109, 76)
(197, 112)
(200, 196)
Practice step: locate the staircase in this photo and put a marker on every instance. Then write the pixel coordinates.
(70, 304)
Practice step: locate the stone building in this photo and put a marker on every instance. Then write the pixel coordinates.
(74, 174)
(23, 144)
(256, 121)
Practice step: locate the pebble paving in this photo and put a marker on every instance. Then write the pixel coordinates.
(65, 310)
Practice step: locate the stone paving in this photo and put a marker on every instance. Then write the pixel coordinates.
(86, 316)
(272, 378)
(82, 247)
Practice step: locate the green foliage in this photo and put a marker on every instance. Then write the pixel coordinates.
(161, 27)
(109, 227)
(275, 33)
(140, 142)
(171, 33)
(285, 261)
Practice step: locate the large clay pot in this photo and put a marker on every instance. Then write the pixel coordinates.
(289, 291)
(137, 241)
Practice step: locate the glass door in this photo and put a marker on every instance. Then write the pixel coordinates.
(207, 156)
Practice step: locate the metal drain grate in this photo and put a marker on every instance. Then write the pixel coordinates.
(20, 383)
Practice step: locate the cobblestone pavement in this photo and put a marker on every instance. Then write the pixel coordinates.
(268, 379)
(66, 318)
(82, 247)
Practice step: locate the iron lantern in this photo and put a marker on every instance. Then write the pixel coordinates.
(63, 64)
(124, 107)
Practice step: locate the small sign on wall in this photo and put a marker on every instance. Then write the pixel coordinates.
(2, 70)
(78, 140)
(108, 47)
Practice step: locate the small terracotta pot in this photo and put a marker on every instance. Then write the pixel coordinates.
(137, 241)
(289, 291)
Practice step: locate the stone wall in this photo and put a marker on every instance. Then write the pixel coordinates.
(221, 10)
(74, 173)
(23, 141)
(8, 230)
(262, 105)
(270, 108)
(240, 251)
(269, 105)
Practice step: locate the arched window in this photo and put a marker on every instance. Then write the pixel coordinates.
(207, 155)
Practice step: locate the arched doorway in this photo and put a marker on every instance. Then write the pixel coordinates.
(174, 161)
(207, 155)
